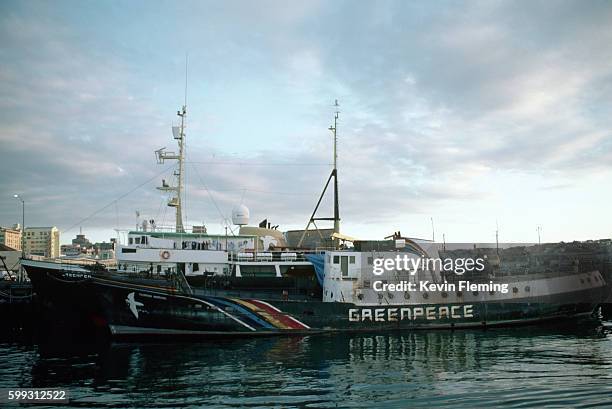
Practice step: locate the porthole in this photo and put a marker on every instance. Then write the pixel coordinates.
(390, 295)
(425, 295)
(527, 289)
(380, 296)
(589, 279)
(475, 293)
(515, 290)
(407, 296)
(360, 296)
(582, 281)
(459, 294)
(444, 295)
(491, 292)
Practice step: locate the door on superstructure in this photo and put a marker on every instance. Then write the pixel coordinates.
(344, 265)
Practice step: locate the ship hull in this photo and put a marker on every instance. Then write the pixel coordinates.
(130, 309)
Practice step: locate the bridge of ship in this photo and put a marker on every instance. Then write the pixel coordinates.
(275, 259)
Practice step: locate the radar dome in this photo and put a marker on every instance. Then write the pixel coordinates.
(240, 215)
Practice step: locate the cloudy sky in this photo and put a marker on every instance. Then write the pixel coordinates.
(470, 113)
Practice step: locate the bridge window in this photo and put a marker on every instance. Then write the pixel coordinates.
(336, 259)
(351, 259)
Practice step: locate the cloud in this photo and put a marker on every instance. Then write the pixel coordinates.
(441, 104)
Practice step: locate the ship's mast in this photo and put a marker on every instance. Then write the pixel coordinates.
(335, 171)
(162, 156)
(334, 175)
(179, 195)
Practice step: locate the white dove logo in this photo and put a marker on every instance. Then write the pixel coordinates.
(133, 304)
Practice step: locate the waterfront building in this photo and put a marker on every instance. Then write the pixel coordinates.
(81, 247)
(42, 241)
(11, 237)
(81, 241)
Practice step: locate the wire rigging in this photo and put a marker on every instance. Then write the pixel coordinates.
(223, 217)
(80, 222)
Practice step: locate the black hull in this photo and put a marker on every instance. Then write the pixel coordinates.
(131, 309)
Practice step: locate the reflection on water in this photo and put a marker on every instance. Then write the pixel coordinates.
(513, 367)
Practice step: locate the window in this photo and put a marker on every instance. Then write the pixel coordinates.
(196, 267)
(370, 260)
(352, 260)
(137, 240)
(336, 259)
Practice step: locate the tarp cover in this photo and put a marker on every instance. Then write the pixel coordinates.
(318, 261)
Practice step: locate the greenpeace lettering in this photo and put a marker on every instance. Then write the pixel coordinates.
(431, 313)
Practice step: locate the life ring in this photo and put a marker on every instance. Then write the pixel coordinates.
(165, 254)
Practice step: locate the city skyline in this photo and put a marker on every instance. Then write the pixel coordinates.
(482, 116)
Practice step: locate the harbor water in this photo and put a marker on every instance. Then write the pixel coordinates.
(558, 366)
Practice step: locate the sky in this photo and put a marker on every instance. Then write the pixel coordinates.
(472, 116)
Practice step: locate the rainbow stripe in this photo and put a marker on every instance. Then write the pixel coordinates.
(272, 314)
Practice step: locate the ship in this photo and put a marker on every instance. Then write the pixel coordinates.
(259, 281)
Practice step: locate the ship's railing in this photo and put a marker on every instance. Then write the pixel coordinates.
(171, 229)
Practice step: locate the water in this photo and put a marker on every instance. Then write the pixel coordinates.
(514, 367)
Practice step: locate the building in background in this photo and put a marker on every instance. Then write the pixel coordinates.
(81, 247)
(104, 250)
(11, 237)
(81, 240)
(42, 241)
